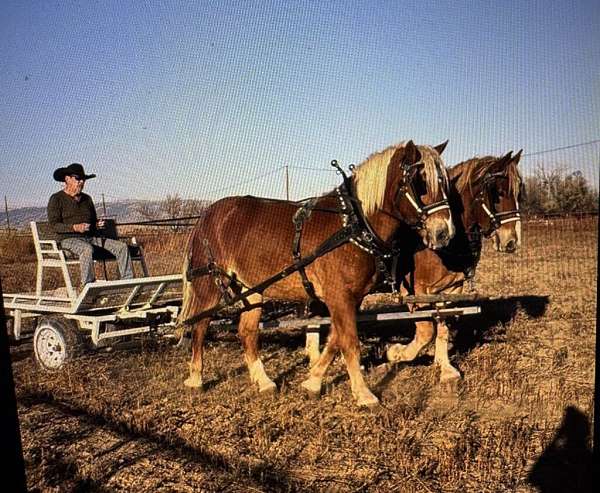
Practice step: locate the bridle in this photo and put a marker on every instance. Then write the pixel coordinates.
(497, 219)
(407, 189)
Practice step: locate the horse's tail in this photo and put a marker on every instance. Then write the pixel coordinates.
(190, 300)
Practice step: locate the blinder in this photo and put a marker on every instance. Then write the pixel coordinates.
(407, 189)
(497, 219)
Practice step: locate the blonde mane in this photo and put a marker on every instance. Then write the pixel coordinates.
(515, 181)
(434, 169)
(370, 177)
(472, 171)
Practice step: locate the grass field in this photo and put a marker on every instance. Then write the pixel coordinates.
(122, 420)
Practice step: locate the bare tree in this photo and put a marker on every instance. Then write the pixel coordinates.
(146, 211)
(552, 192)
(193, 207)
(172, 208)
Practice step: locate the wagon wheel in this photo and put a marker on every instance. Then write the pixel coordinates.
(55, 342)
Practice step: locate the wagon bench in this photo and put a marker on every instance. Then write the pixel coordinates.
(104, 310)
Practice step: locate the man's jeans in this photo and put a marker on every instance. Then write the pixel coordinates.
(84, 248)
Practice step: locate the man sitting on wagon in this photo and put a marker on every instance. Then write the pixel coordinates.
(73, 218)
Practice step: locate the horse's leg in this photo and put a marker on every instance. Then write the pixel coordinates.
(197, 362)
(317, 371)
(448, 372)
(401, 352)
(312, 345)
(343, 316)
(248, 332)
(195, 303)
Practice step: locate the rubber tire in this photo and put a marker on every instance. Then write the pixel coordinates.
(65, 333)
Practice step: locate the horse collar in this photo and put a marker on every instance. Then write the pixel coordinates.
(364, 237)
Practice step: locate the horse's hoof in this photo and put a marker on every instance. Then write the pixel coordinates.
(450, 375)
(312, 395)
(395, 353)
(370, 402)
(382, 369)
(193, 383)
(312, 388)
(450, 379)
(268, 389)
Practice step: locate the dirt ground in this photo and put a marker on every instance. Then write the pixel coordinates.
(122, 420)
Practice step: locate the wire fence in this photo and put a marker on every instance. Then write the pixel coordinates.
(295, 183)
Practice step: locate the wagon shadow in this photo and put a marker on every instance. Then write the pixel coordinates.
(259, 475)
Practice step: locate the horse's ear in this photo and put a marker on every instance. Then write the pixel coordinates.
(411, 153)
(501, 163)
(517, 157)
(440, 147)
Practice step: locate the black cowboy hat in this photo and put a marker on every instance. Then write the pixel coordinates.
(73, 169)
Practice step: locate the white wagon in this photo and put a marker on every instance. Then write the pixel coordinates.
(66, 321)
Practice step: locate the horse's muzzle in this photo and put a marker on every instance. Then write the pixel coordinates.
(438, 239)
(511, 246)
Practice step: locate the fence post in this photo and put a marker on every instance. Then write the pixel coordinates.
(287, 183)
(7, 216)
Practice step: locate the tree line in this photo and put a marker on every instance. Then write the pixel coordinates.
(545, 193)
(172, 207)
(558, 192)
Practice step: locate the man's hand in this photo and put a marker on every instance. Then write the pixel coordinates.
(81, 227)
(101, 223)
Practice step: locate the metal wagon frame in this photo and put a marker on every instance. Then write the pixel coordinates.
(104, 311)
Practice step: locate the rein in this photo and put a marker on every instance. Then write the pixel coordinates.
(339, 238)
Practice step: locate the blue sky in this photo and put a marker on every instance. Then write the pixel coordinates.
(196, 98)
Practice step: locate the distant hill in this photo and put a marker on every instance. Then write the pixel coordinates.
(122, 211)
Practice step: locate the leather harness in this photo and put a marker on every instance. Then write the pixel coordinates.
(356, 229)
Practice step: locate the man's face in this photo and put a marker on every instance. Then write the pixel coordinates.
(74, 184)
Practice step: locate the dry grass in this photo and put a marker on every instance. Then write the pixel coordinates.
(122, 421)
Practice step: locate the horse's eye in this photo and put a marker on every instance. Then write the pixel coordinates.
(495, 195)
(420, 185)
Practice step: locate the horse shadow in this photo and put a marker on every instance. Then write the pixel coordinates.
(469, 331)
(566, 463)
(496, 314)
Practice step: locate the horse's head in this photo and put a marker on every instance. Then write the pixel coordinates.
(421, 192)
(504, 214)
(491, 190)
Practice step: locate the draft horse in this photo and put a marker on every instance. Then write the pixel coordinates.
(484, 199)
(250, 239)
